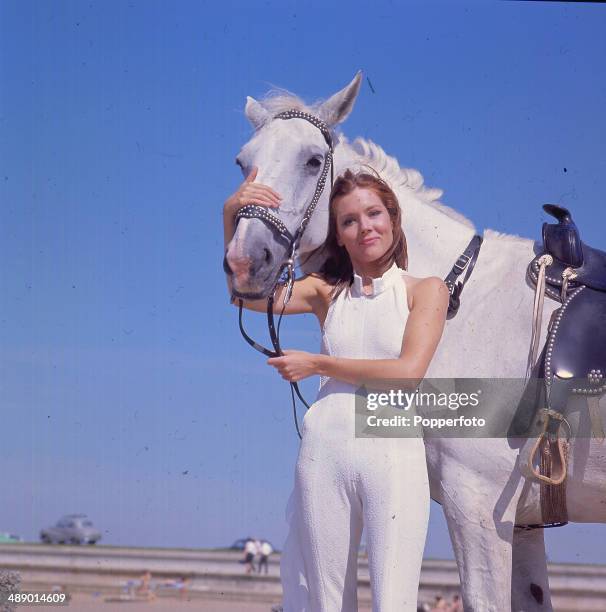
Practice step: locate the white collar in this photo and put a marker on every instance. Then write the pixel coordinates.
(378, 284)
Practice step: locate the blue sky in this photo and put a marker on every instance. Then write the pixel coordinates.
(126, 390)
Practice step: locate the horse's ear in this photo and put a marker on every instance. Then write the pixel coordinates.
(337, 108)
(255, 113)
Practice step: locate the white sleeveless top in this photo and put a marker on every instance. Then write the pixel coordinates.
(357, 326)
(360, 326)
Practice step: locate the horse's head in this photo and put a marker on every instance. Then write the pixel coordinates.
(290, 155)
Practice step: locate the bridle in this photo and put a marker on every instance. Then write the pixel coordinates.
(252, 211)
(286, 273)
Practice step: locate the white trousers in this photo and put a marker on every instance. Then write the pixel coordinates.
(343, 484)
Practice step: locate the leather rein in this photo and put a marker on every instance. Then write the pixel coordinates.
(286, 274)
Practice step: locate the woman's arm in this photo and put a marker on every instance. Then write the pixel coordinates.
(309, 293)
(421, 337)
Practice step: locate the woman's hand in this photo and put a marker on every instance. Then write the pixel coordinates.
(250, 192)
(295, 365)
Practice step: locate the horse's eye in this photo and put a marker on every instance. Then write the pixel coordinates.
(314, 162)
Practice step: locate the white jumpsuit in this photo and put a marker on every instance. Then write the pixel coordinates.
(343, 483)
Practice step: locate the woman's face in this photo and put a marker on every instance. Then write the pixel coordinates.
(363, 225)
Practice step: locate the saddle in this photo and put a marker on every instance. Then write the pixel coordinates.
(575, 276)
(573, 360)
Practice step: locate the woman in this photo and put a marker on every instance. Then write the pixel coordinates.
(377, 323)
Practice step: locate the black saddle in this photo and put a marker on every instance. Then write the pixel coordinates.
(575, 351)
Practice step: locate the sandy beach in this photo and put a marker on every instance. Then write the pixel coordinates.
(85, 601)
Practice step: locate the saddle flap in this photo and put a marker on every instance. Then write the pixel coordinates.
(577, 342)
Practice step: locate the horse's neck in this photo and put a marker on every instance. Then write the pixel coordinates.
(434, 239)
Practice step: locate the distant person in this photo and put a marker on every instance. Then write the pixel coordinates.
(265, 549)
(440, 605)
(250, 551)
(143, 588)
(456, 604)
(179, 584)
(182, 586)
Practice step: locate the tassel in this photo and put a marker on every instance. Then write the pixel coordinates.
(567, 275)
(537, 315)
(553, 451)
(553, 496)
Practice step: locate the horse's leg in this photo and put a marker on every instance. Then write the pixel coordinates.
(480, 523)
(529, 583)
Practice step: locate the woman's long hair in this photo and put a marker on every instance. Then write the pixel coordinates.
(337, 268)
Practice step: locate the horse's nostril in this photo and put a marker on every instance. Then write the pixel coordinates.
(267, 255)
(226, 267)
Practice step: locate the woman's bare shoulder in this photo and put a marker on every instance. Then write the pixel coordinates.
(410, 280)
(426, 281)
(424, 289)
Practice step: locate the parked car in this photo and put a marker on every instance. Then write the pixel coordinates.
(71, 529)
(9, 538)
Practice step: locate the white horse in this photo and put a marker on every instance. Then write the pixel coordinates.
(478, 482)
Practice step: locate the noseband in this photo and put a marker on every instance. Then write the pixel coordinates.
(286, 273)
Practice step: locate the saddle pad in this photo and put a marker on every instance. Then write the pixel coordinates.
(576, 345)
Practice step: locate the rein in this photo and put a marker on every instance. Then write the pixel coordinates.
(274, 334)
